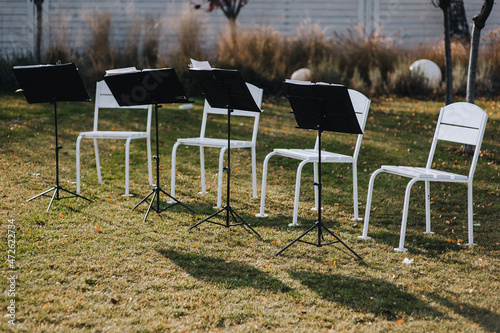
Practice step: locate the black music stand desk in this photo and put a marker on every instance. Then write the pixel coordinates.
(321, 107)
(153, 86)
(52, 84)
(225, 89)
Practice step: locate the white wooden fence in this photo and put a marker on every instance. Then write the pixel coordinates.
(67, 22)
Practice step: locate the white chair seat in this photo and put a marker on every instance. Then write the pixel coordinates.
(361, 106)
(105, 100)
(113, 135)
(311, 155)
(214, 143)
(461, 123)
(203, 142)
(424, 174)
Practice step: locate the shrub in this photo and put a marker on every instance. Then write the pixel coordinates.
(401, 81)
(308, 48)
(361, 51)
(8, 81)
(368, 62)
(189, 32)
(327, 71)
(261, 56)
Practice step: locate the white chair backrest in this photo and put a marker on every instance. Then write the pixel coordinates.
(462, 123)
(257, 96)
(104, 99)
(200, 64)
(361, 105)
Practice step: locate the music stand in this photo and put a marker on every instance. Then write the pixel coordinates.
(225, 89)
(52, 84)
(321, 107)
(149, 87)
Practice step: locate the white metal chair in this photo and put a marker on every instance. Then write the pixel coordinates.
(202, 141)
(462, 123)
(105, 100)
(361, 106)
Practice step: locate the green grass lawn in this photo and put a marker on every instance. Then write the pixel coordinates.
(98, 267)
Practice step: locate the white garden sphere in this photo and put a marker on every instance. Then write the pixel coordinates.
(429, 70)
(301, 74)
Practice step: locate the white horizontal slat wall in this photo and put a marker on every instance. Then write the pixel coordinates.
(412, 21)
(67, 22)
(17, 35)
(287, 16)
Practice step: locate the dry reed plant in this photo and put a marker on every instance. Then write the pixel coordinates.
(99, 52)
(152, 30)
(401, 81)
(60, 49)
(261, 56)
(189, 29)
(309, 47)
(362, 51)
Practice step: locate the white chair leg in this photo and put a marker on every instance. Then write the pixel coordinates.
(355, 192)
(316, 190)
(150, 164)
(172, 172)
(78, 163)
(254, 173)
(97, 161)
(221, 171)
(404, 220)
(297, 194)
(470, 214)
(368, 204)
(202, 170)
(427, 209)
(264, 182)
(127, 165)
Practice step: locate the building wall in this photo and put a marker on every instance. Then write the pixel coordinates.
(17, 34)
(69, 22)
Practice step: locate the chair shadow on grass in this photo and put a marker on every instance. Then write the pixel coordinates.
(231, 274)
(417, 242)
(487, 319)
(366, 296)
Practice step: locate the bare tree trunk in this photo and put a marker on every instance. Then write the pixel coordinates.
(459, 28)
(445, 7)
(474, 53)
(38, 43)
(479, 23)
(447, 52)
(232, 30)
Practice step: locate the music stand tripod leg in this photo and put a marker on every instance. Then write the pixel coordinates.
(57, 187)
(298, 238)
(41, 194)
(73, 194)
(176, 202)
(243, 221)
(229, 210)
(319, 224)
(156, 191)
(340, 241)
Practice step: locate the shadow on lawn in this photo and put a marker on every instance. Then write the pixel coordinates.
(375, 296)
(419, 243)
(489, 320)
(232, 274)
